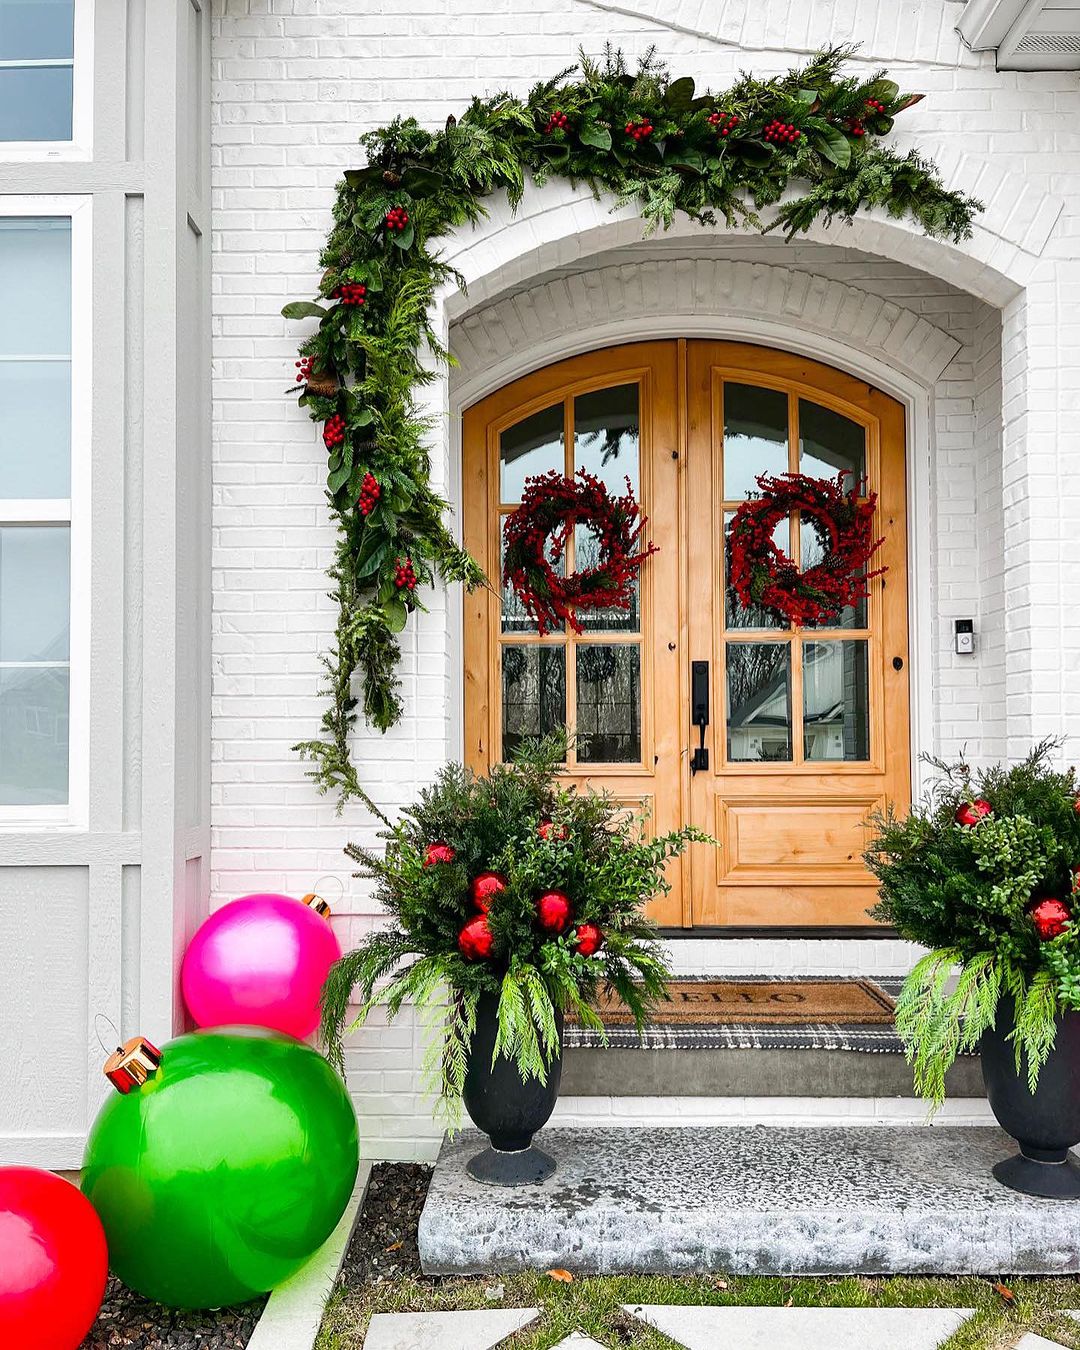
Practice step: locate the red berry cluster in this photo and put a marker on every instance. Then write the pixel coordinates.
(404, 576)
(875, 107)
(370, 492)
(781, 133)
(639, 131)
(843, 520)
(396, 218)
(558, 121)
(725, 123)
(304, 369)
(350, 293)
(855, 127)
(334, 431)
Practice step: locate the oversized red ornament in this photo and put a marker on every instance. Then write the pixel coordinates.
(53, 1261)
(485, 887)
(589, 939)
(1076, 806)
(550, 829)
(970, 813)
(1049, 917)
(439, 852)
(553, 911)
(475, 940)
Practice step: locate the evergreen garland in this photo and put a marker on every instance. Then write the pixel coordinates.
(637, 136)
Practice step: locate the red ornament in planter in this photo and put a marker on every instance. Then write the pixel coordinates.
(485, 887)
(970, 813)
(439, 852)
(553, 911)
(1049, 917)
(550, 829)
(589, 939)
(475, 940)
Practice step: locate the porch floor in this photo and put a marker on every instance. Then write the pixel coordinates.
(761, 1200)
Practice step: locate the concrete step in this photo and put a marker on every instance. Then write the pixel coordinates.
(804, 1201)
(623, 1071)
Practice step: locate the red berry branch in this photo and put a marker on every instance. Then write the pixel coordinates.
(763, 574)
(535, 536)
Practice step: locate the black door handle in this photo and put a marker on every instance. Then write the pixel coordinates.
(699, 711)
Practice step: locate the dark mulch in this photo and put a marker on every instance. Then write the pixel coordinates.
(383, 1245)
(126, 1319)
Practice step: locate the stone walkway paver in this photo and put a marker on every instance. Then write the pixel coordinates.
(798, 1328)
(697, 1328)
(478, 1330)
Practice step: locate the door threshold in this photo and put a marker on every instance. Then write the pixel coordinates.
(856, 932)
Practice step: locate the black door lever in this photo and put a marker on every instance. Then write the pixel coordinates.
(699, 711)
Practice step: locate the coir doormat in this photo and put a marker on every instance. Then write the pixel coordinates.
(779, 1003)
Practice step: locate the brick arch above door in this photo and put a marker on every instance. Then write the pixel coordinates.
(774, 305)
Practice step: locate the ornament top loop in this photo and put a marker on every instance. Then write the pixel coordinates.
(132, 1064)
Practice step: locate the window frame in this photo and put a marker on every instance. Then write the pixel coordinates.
(80, 147)
(75, 510)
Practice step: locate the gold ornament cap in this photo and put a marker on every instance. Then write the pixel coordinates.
(319, 905)
(132, 1064)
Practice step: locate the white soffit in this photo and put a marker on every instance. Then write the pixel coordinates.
(1026, 34)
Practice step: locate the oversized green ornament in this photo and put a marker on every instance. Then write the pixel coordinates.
(219, 1170)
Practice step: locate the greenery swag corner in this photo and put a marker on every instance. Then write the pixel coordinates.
(637, 136)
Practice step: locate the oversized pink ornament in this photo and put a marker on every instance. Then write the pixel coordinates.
(260, 961)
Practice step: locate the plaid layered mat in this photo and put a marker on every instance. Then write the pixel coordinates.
(881, 1040)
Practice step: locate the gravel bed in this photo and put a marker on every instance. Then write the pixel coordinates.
(128, 1319)
(383, 1245)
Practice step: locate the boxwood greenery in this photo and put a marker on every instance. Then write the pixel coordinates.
(717, 157)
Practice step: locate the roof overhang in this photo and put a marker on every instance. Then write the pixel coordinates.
(1025, 34)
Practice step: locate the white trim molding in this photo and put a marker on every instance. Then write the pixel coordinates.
(81, 145)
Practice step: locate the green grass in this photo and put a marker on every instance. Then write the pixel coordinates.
(592, 1305)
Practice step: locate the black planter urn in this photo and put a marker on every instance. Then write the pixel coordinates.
(508, 1110)
(1045, 1125)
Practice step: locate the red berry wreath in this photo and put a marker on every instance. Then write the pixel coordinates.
(763, 574)
(535, 538)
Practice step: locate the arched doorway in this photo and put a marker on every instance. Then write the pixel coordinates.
(807, 729)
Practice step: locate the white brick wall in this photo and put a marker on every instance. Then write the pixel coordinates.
(297, 81)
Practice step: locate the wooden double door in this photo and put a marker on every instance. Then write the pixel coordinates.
(805, 730)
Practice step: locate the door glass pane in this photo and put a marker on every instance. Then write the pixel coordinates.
(610, 619)
(812, 555)
(514, 617)
(530, 447)
(608, 704)
(35, 103)
(606, 436)
(751, 616)
(36, 30)
(35, 428)
(33, 736)
(758, 701)
(35, 281)
(34, 582)
(829, 443)
(755, 437)
(533, 693)
(836, 700)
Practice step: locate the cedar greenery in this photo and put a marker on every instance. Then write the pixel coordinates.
(966, 892)
(712, 156)
(604, 864)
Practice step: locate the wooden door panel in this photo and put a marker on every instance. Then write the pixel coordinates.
(809, 728)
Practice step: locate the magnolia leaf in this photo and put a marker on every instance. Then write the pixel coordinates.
(404, 238)
(358, 178)
(597, 136)
(757, 153)
(685, 159)
(558, 153)
(397, 615)
(679, 94)
(364, 417)
(885, 91)
(337, 480)
(834, 146)
(422, 182)
(303, 309)
(806, 95)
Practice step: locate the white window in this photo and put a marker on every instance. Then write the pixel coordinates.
(45, 76)
(44, 500)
